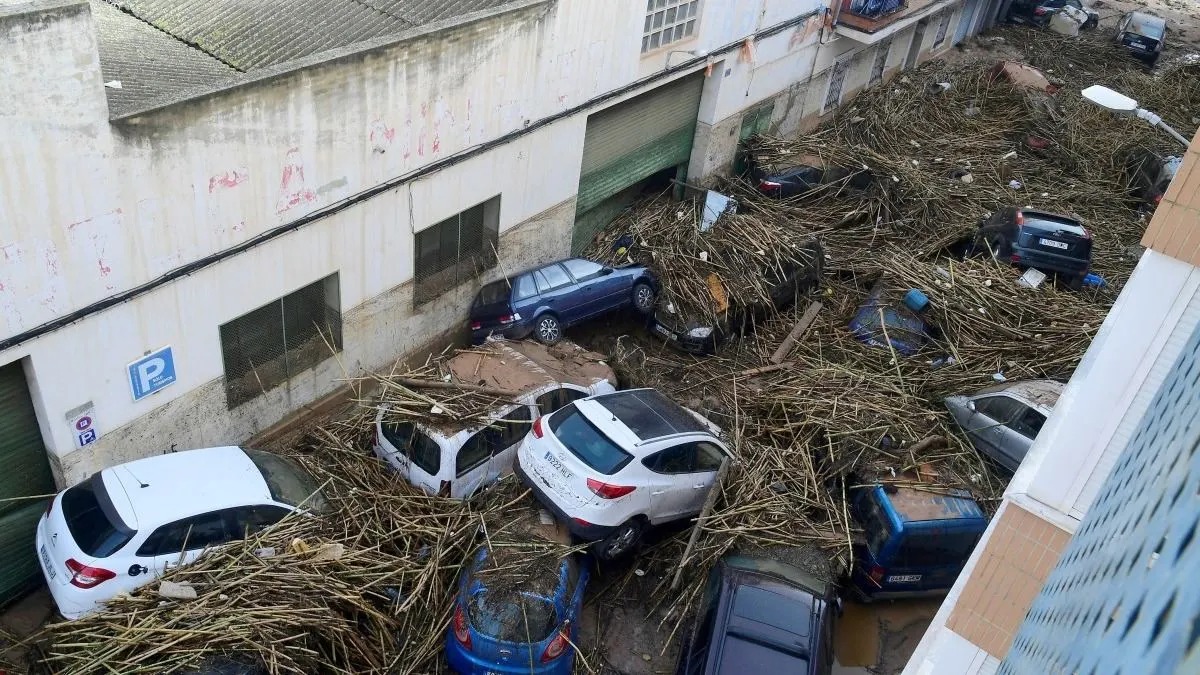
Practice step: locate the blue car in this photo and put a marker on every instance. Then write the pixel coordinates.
(545, 300)
(524, 626)
(915, 542)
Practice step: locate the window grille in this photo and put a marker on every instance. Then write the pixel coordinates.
(943, 27)
(668, 22)
(266, 347)
(837, 77)
(456, 250)
(880, 64)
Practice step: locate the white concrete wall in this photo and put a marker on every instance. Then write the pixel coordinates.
(89, 209)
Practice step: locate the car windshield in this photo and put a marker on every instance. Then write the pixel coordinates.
(1148, 25)
(92, 520)
(586, 442)
(512, 616)
(494, 293)
(288, 482)
(1052, 224)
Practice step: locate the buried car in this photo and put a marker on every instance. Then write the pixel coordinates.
(611, 465)
(1050, 242)
(1143, 34)
(545, 300)
(765, 614)
(123, 527)
(456, 458)
(1040, 12)
(1002, 421)
(1150, 174)
(704, 333)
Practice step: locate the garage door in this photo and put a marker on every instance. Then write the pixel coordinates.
(630, 142)
(25, 472)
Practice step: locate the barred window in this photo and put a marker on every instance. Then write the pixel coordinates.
(667, 22)
(880, 64)
(837, 77)
(265, 348)
(456, 250)
(943, 27)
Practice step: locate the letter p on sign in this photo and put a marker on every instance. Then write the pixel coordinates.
(151, 373)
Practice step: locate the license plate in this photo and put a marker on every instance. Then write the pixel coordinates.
(658, 328)
(558, 466)
(904, 578)
(47, 565)
(1053, 244)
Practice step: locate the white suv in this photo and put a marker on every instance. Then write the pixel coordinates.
(612, 464)
(121, 528)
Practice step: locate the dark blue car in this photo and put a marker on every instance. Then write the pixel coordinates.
(514, 621)
(915, 542)
(545, 300)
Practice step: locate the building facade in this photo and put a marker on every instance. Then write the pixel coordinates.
(1085, 566)
(213, 214)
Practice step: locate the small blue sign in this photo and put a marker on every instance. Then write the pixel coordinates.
(151, 373)
(86, 438)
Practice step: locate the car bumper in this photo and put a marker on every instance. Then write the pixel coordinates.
(587, 532)
(514, 332)
(467, 663)
(66, 597)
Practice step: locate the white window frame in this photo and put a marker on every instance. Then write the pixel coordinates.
(677, 18)
(837, 78)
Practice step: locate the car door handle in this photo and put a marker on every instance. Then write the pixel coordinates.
(657, 493)
(699, 487)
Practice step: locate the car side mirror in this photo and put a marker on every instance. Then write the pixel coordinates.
(606, 271)
(971, 406)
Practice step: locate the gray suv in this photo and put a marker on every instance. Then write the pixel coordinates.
(1002, 421)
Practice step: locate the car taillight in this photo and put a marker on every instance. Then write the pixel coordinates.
(1087, 235)
(581, 521)
(537, 428)
(769, 185)
(559, 644)
(87, 577)
(607, 491)
(1157, 199)
(506, 319)
(476, 325)
(1020, 219)
(460, 627)
(876, 574)
(1016, 258)
(1039, 11)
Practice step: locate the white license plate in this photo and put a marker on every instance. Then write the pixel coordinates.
(658, 328)
(558, 466)
(1053, 244)
(904, 578)
(49, 567)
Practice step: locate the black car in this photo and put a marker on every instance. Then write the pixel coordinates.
(545, 300)
(761, 616)
(1149, 175)
(807, 175)
(1039, 12)
(1143, 34)
(1049, 242)
(703, 335)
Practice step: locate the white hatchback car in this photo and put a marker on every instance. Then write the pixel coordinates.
(610, 465)
(456, 458)
(121, 528)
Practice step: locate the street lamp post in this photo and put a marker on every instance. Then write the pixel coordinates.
(1122, 104)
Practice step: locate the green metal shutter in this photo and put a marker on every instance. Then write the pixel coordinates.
(632, 141)
(25, 471)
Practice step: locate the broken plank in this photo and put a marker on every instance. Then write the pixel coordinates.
(802, 326)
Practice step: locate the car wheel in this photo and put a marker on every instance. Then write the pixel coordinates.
(643, 297)
(620, 542)
(998, 244)
(547, 330)
(1075, 283)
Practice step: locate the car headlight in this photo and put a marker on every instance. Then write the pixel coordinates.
(700, 333)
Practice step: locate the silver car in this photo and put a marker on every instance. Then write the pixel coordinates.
(1003, 420)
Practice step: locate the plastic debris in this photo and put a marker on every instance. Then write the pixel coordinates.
(1015, 184)
(1032, 278)
(176, 591)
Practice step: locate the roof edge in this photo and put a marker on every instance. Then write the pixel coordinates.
(37, 7)
(255, 77)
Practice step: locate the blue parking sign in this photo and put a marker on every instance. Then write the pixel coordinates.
(151, 373)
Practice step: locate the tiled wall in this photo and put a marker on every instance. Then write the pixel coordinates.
(1175, 228)
(1014, 565)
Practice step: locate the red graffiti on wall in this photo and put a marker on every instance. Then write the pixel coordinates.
(293, 188)
(228, 179)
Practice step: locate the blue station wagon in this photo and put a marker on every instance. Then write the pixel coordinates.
(915, 542)
(543, 301)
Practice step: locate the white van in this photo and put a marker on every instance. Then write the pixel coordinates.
(455, 459)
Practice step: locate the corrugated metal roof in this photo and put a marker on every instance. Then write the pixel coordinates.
(167, 50)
